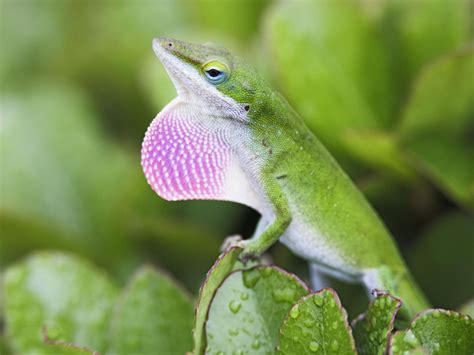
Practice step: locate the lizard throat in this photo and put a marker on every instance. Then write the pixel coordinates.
(182, 159)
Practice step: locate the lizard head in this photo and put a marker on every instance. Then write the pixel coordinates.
(189, 149)
(210, 75)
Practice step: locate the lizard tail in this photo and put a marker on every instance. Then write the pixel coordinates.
(401, 285)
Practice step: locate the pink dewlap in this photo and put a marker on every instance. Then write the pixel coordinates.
(182, 160)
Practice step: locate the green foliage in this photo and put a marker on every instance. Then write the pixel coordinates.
(62, 296)
(384, 84)
(247, 310)
(150, 313)
(344, 43)
(60, 304)
(437, 131)
(372, 329)
(316, 323)
(216, 275)
(436, 331)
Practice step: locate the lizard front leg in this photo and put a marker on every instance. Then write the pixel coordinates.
(276, 226)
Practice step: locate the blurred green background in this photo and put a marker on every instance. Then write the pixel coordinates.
(388, 86)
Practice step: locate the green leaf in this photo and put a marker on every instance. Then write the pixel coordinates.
(379, 150)
(413, 35)
(152, 314)
(441, 256)
(58, 347)
(372, 329)
(444, 332)
(225, 264)
(43, 147)
(248, 308)
(22, 234)
(207, 15)
(66, 294)
(404, 343)
(317, 323)
(436, 128)
(331, 44)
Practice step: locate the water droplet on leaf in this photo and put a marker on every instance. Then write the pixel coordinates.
(318, 301)
(295, 312)
(313, 346)
(250, 278)
(234, 306)
(256, 345)
(284, 295)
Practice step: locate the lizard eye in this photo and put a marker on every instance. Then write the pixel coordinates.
(215, 72)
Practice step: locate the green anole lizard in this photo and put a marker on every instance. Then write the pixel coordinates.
(228, 135)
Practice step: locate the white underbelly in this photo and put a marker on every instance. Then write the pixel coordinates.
(307, 242)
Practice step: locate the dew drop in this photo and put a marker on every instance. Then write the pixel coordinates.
(233, 332)
(234, 306)
(318, 301)
(256, 345)
(436, 314)
(309, 322)
(295, 312)
(334, 345)
(286, 294)
(410, 338)
(314, 346)
(244, 296)
(267, 271)
(250, 278)
(334, 325)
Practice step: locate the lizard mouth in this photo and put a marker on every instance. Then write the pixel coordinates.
(178, 71)
(190, 84)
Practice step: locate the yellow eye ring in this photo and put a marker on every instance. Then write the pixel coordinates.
(215, 72)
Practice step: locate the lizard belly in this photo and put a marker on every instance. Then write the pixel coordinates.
(306, 241)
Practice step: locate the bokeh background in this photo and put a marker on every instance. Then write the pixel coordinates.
(387, 85)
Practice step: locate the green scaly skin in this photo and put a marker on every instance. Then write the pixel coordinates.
(310, 204)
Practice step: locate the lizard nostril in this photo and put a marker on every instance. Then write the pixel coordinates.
(170, 45)
(246, 107)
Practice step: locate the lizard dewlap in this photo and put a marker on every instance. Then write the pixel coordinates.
(183, 160)
(228, 135)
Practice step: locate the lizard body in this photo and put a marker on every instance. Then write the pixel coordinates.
(229, 136)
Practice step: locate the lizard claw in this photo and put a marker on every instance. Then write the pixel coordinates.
(248, 253)
(232, 241)
(247, 256)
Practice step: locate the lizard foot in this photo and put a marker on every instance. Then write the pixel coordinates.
(249, 252)
(232, 241)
